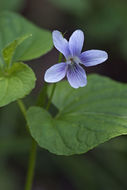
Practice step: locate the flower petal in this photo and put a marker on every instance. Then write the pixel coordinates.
(60, 43)
(56, 73)
(76, 76)
(93, 57)
(76, 42)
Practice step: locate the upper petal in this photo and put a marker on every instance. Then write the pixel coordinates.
(56, 73)
(60, 43)
(76, 76)
(76, 42)
(93, 57)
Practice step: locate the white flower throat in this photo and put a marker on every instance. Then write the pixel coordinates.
(73, 60)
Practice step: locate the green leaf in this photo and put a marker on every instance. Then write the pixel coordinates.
(9, 51)
(15, 83)
(87, 116)
(14, 26)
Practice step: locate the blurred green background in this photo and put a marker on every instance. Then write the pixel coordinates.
(105, 25)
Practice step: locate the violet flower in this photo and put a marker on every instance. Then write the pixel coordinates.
(71, 49)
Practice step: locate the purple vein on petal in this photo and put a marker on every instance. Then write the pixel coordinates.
(93, 57)
(76, 42)
(56, 73)
(76, 76)
(60, 43)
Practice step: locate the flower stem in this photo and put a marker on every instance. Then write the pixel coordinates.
(54, 85)
(22, 107)
(51, 96)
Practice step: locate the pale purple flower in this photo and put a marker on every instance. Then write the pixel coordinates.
(71, 49)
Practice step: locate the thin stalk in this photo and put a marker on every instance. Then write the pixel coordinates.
(23, 111)
(54, 85)
(51, 96)
(22, 107)
(31, 166)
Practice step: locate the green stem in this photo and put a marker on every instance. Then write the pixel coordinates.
(54, 85)
(23, 110)
(22, 107)
(51, 96)
(31, 166)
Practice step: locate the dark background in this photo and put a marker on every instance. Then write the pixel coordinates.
(105, 26)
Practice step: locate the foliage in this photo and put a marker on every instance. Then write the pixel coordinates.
(14, 26)
(16, 78)
(77, 120)
(15, 83)
(87, 117)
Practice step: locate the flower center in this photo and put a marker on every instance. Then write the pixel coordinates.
(72, 61)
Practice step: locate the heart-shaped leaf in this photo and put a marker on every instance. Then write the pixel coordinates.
(87, 116)
(14, 26)
(15, 83)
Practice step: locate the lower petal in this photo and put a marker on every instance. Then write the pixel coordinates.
(93, 57)
(56, 73)
(76, 76)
